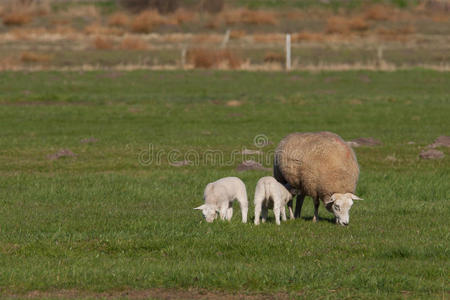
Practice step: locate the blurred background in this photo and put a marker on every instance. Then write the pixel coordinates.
(225, 34)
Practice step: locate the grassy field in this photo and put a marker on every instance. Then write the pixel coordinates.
(110, 219)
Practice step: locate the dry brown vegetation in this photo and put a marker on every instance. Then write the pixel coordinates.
(208, 58)
(34, 57)
(237, 34)
(307, 36)
(396, 34)
(147, 21)
(133, 43)
(119, 19)
(102, 43)
(182, 16)
(343, 25)
(98, 29)
(274, 57)
(379, 12)
(268, 38)
(249, 17)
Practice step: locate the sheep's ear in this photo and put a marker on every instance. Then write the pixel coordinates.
(201, 207)
(330, 200)
(354, 197)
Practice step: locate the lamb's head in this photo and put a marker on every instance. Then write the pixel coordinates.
(209, 212)
(339, 205)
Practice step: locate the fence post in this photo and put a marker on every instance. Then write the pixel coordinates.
(226, 38)
(183, 57)
(288, 51)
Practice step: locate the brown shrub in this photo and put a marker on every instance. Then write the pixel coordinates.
(268, 38)
(378, 12)
(133, 43)
(207, 58)
(250, 17)
(358, 24)
(396, 34)
(205, 38)
(274, 57)
(341, 25)
(163, 6)
(34, 57)
(307, 36)
(213, 6)
(102, 43)
(98, 29)
(119, 19)
(182, 16)
(16, 18)
(148, 20)
(237, 34)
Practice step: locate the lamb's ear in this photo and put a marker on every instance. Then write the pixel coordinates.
(354, 197)
(330, 199)
(201, 207)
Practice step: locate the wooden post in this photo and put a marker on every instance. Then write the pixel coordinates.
(226, 38)
(183, 57)
(288, 51)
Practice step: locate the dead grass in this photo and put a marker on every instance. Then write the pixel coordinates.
(343, 25)
(274, 57)
(81, 11)
(149, 20)
(209, 58)
(98, 29)
(119, 19)
(237, 34)
(133, 43)
(306, 36)
(102, 43)
(16, 18)
(34, 57)
(249, 17)
(27, 33)
(182, 16)
(268, 38)
(395, 34)
(205, 38)
(379, 12)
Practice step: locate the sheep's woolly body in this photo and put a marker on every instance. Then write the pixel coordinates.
(219, 196)
(317, 164)
(269, 193)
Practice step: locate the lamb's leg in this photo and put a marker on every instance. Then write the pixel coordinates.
(229, 213)
(264, 213)
(244, 208)
(316, 210)
(291, 213)
(298, 206)
(257, 211)
(276, 210)
(223, 211)
(283, 213)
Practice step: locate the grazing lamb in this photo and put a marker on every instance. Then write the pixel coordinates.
(219, 196)
(270, 193)
(320, 165)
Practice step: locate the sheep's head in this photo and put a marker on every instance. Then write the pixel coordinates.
(209, 212)
(339, 205)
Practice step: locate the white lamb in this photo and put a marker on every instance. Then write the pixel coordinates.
(270, 193)
(219, 196)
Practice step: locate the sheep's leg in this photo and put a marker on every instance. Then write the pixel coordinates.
(276, 211)
(264, 213)
(283, 213)
(316, 210)
(229, 213)
(257, 211)
(223, 212)
(291, 213)
(298, 206)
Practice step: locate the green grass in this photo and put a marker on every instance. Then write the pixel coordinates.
(103, 221)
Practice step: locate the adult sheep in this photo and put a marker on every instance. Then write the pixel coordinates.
(320, 165)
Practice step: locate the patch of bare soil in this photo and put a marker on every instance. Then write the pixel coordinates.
(431, 154)
(442, 141)
(369, 142)
(61, 154)
(251, 165)
(156, 293)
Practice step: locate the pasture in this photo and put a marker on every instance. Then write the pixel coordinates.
(97, 202)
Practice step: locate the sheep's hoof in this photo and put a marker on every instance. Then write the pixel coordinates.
(315, 220)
